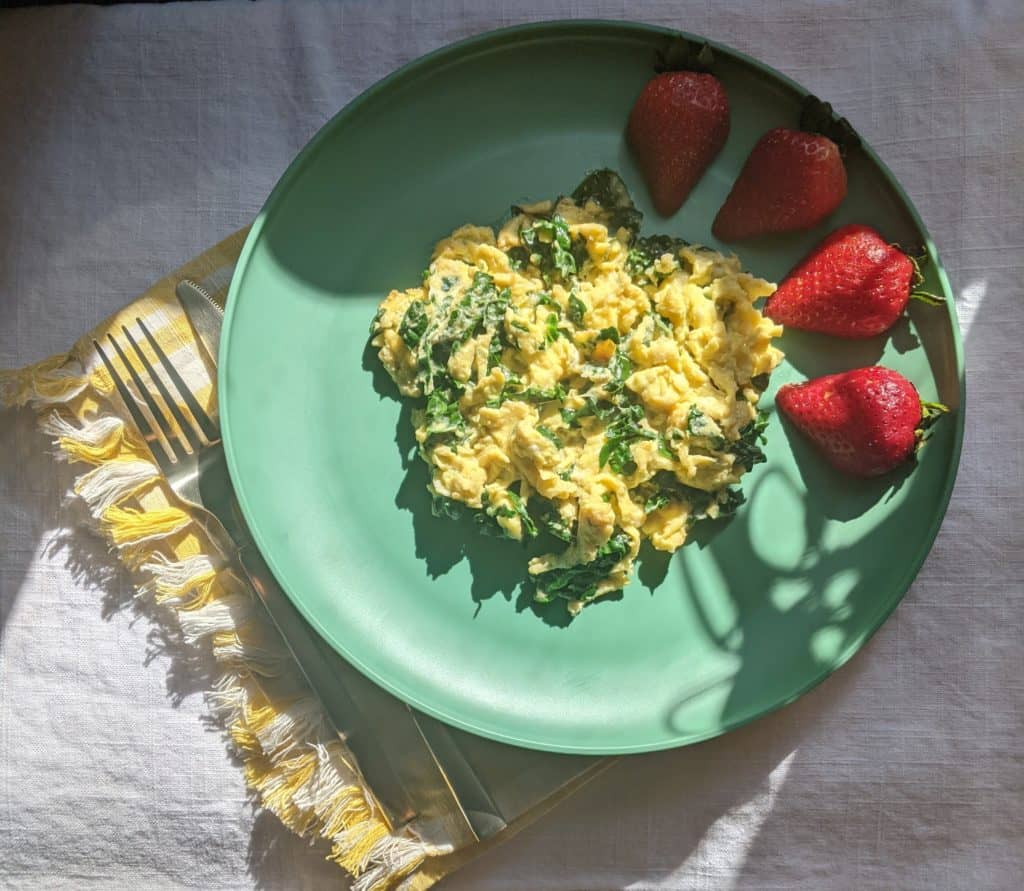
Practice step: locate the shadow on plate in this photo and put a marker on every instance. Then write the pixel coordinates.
(790, 621)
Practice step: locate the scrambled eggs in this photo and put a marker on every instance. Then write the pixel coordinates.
(582, 382)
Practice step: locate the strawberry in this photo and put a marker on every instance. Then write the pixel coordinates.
(678, 124)
(853, 284)
(791, 180)
(865, 422)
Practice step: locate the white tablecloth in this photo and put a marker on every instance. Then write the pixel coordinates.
(132, 138)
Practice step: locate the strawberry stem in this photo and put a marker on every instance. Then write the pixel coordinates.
(818, 117)
(680, 54)
(930, 414)
(917, 293)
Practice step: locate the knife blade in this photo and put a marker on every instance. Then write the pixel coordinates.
(438, 790)
(204, 314)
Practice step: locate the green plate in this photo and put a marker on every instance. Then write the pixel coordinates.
(748, 615)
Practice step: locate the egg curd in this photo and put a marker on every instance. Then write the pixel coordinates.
(575, 380)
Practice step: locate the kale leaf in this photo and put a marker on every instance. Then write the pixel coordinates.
(747, 448)
(488, 517)
(442, 506)
(482, 305)
(621, 368)
(580, 582)
(549, 246)
(549, 519)
(657, 501)
(619, 438)
(591, 408)
(700, 426)
(606, 188)
(664, 449)
(729, 502)
(550, 435)
(551, 330)
(541, 394)
(646, 250)
(668, 489)
(414, 324)
(577, 309)
(530, 394)
(443, 415)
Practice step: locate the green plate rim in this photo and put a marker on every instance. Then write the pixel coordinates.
(583, 27)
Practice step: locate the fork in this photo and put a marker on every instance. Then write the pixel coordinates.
(394, 751)
(182, 454)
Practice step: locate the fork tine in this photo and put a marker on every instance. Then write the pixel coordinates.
(188, 432)
(138, 416)
(202, 418)
(154, 407)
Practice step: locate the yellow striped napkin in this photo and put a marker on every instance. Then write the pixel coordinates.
(294, 762)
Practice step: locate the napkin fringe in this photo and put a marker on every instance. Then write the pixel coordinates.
(297, 767)
(52, 381)
(106, 485)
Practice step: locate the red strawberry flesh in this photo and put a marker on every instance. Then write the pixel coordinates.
(863, 421)
(678, 124)
(791, 180)
(853, 284)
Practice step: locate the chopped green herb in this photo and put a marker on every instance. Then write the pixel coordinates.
(637, 262)
(541, 394)
(699, 425)
(579, 583)
(577, 309)
(621, 368)
(747, 448)
(619, 438)
(551, 330)
(376, 320)
(663, 447)
(591, 408)
(550, 435)
(414, 324)
(495, 349)
(647, 250)
(606, 188)
(443, 415)
(549, 519)
(491, 512)
(531, 394)
(669, 489)
(657, 245)
(571, 416)
(441, 506)
(548, 245)
(729, 502)
(657, 501)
